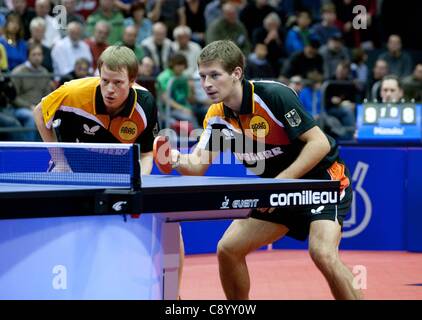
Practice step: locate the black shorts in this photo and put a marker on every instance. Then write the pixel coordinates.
(298, 220)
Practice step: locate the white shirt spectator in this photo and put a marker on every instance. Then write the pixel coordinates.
(65, 53)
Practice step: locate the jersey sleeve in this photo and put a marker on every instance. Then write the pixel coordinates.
(287, 107)
(146, 138)
(212, 138)
(51, 103)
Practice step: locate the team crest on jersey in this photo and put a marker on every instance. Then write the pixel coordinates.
(293, 118)
(128, 130)
(259, 126)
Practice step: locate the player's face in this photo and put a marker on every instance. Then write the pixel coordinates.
(217, 83)
(115, 86)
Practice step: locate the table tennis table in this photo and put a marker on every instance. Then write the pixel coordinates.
(73, 241)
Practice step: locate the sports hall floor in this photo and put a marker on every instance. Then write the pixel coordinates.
(291, 275)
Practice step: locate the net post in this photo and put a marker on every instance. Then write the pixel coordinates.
(135, 179)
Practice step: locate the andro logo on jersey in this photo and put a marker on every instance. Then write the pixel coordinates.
(307, 197)
(259, 126)
(128, 130)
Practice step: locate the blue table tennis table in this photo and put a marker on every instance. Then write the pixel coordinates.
(73, 241)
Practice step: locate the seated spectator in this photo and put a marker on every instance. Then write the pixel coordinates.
(174, 92)
(69, 49)
(229, 27)
(412, 85)
(340, 100)
(359, 67)
(31, 89)
(328, 27)
(81, 70)
(129, 40)
(158, 46)
(98, 42)
(302, 63)
(71, 14)
(7, 119)
(272, 35)
(52, 27)
(26, 13)
(182, 44)
(37, 28)
(310, 93)
(379, 71)
(257, 65)
(333, 53)
(299, 36)
(146, 74)
(193, 16)
(391, 89)
(13, 42)
(107, 11)
(140, 21)
(399, 62)
(253, 14)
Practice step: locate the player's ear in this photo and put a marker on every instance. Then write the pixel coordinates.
(237, 74)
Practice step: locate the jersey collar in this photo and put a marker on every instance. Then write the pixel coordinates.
(100, 107)
(248, 105)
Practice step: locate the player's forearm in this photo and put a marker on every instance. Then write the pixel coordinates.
(146, 163)
(312, 153)
(47, 135)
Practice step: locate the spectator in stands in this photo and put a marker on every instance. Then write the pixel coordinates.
(257, 65)
(310, 93)
(399, 62)
(213, 10)
(174, 91)
(298, 37)
(340, 99)
(32, 82)
(69, 49)
(379, 71)
(333, 53)
(193, 16)
(52, 33)
(253, 14)
(146, 74)
(107, 11)
(86, 7)
(328, 27)
(13, 42)
(26, 13)
(7, 119)
(412, 85)
(37, 28)
(359, 67)
(129, 40)
(391, 89)
(167, 11)
(302, 63)
(182, 44)
(71, 14)
(140, 21)
(229, 27)
(98, 42)
(272, 35)
(158, 46)
(81, 70)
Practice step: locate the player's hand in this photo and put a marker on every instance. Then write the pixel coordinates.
(59, 166)
(165, 158)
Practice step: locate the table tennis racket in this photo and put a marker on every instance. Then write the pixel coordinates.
(162, 154)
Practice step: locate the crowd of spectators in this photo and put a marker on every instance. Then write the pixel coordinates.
(330, 55)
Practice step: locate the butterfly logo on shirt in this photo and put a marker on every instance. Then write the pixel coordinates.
(90, 131)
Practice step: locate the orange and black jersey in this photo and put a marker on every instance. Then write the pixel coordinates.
(264, 134)
(77, 112)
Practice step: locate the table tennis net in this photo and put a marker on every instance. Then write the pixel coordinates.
(114, 165)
